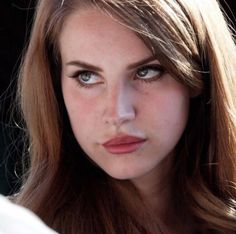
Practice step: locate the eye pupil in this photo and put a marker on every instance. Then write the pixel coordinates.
(142, 72)
(86, 76)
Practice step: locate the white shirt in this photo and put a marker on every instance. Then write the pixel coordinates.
(15, 219)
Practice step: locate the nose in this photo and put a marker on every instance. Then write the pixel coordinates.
(119, 106)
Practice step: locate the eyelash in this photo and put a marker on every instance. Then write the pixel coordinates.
(80, 83)
(155, 67)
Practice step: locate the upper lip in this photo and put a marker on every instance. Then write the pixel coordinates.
(124, 139)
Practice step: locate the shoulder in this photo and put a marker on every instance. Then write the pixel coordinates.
(16, 219)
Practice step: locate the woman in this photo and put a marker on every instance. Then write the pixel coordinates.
(130, 111)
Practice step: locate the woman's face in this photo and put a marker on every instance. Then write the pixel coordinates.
(126, 111)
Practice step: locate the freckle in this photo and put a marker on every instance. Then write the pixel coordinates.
(145, 93)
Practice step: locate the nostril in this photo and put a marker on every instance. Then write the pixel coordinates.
(119, 117)
(119, 106)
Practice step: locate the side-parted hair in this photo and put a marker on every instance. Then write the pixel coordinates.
(192, 40)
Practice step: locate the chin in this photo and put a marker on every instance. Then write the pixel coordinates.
(127, 175)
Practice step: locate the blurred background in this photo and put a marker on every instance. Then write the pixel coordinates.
(15, 23)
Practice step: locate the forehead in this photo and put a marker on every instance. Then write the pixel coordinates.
(91, 29)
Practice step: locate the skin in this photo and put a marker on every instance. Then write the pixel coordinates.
(120, 102)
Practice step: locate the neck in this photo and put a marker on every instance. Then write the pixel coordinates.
(156, 189)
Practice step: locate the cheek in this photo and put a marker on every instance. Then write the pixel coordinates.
(77, 103)
(168, 114)
(176, 107)
(79, 109)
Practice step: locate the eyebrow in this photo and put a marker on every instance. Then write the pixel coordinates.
(88, 66)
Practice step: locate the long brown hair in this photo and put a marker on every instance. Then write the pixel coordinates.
(192, 40)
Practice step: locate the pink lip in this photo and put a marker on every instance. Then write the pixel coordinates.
(123, 144)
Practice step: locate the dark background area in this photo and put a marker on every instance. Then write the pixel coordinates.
(15, 23)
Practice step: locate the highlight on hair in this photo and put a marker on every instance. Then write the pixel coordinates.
(192, 40)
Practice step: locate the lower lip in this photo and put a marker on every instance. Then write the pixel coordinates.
(124, 148)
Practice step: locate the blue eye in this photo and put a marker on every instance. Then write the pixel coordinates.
(149, 73)
(86, 78)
